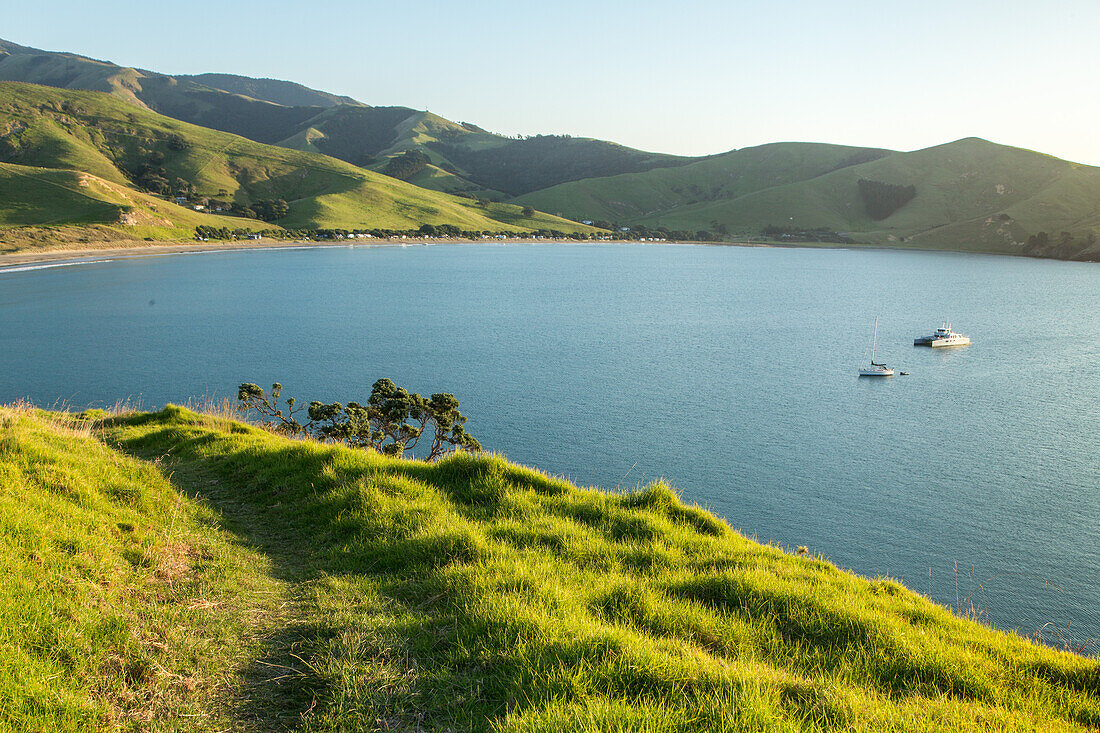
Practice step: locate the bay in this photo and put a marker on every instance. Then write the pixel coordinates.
(729, 371)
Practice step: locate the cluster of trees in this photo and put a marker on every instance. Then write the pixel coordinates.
(478, 196)
(264, 209)
(151, 176)
(426, 230)
(1064, 246)
(149, 173)
(794, 234)
(641, 231)
(882, 199)
(440, 230)
(208, 232)
(392, 421)
(408, 164)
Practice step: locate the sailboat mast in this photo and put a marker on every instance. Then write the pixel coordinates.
(874, 342)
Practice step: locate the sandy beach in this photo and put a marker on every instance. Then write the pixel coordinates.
(74, 254)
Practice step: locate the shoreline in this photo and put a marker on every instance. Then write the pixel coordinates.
(76, 255)
(13, 261)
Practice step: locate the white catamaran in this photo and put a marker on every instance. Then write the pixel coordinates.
(943, 336)
(876, 370)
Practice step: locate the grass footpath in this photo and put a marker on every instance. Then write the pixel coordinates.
(169, 564)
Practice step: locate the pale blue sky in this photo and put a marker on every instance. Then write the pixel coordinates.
(690, 77)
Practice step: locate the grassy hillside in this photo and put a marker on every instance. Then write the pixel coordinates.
(123, 606)
(68, 71)
(276, 91)
(44, 197)
(470, 594)
(272, 111)
(220, 101)
(969, 195)
(637, 196)
(98, 134)
(520, 166)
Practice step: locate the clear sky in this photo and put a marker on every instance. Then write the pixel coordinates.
(689, 77)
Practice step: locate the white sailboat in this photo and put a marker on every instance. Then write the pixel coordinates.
(876, 370)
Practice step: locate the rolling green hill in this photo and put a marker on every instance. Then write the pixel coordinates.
(101, 135)
(277, 112)
(970, 195)
(173, 571)
(636, 197)
(41, 197)
(276, 91)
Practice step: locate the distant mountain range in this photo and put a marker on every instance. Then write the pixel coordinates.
(967, 195)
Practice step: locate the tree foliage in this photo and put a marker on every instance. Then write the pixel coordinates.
(883, 199)
(408, 164)
(392, 422)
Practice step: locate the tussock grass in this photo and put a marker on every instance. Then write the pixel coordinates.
(473, 594)
(121, 601)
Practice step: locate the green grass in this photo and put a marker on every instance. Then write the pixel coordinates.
(45, 197)
(97, 133)
(665, 191)
(123, 605)
(469, 594)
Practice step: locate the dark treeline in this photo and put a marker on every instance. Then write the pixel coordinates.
(1064, 247)
(450, 231)
(204, 232)
(882, 199)
(265, 209)
(427, 231)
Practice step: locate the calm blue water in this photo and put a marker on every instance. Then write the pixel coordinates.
(729, 371)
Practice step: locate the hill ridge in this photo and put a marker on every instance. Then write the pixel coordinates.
(97, 133)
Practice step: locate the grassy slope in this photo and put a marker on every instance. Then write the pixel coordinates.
(279, 112)
(123, 606)
(637, 196)
(971, 194)
(94, 132)
(517, 167)
(53, 197)
(68, 71)
(474, 594)
(963, 188)
(286, 93)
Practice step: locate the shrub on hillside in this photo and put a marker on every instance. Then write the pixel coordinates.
(393, 420)
(405, 166)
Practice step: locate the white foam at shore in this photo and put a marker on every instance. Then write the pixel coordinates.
(48, 265)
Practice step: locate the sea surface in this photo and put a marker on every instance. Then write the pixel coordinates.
(729, 371)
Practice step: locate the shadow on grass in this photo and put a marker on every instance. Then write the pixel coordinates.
(279, 689)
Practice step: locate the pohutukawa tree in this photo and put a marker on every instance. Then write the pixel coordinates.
(393, 420)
